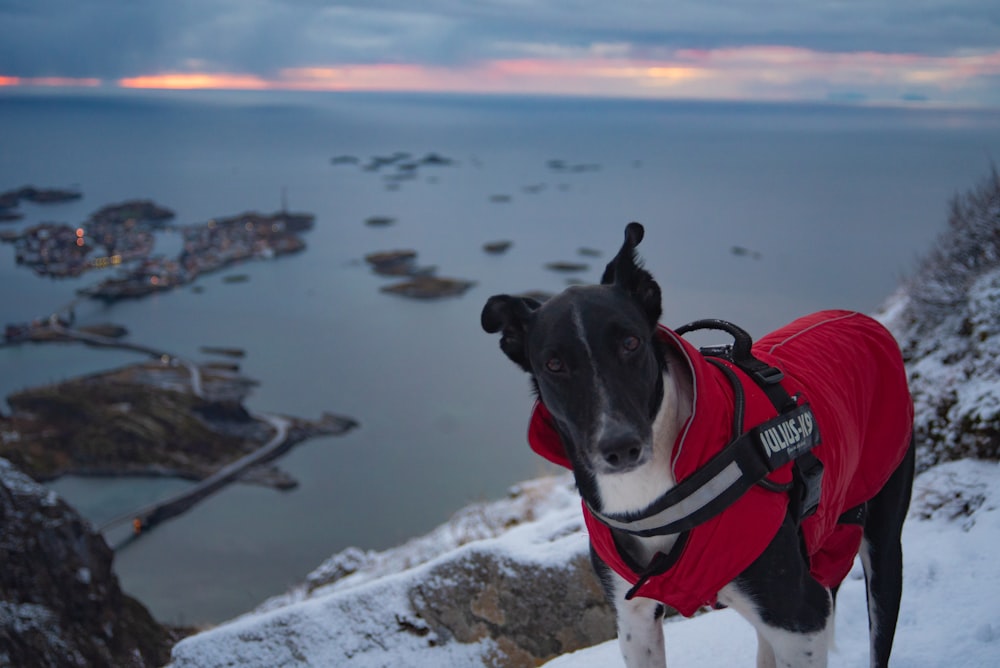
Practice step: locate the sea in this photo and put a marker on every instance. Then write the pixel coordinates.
(755, 213)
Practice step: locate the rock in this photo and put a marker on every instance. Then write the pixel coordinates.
(743, 251)
(531, 613)
(379, 221)
(567, 266)
(500, 199)
(397, 263)
(436, 159)
(60, 602)
(506, 584)
(429, 287)
(497, 247)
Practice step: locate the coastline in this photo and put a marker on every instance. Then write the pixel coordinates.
(166, 417)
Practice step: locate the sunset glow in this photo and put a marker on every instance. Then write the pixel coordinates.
(195, 81)
(739, 73)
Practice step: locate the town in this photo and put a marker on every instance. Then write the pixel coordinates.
(123, 234)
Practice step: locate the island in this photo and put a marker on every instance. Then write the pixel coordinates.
(163, 417)
(122, 236)
(11, 199)
(208, 247)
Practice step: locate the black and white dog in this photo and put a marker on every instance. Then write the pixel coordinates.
(623, 396)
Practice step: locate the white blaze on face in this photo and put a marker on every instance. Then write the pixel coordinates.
(603, 406)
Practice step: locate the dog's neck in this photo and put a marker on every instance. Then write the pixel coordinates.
(636, 490)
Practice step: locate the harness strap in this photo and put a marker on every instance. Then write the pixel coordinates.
(743, 463)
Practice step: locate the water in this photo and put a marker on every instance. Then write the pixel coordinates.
(838, 202)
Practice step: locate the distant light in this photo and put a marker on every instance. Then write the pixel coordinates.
(249, 226)
(79, 241)
(155, 280)
(79, 231)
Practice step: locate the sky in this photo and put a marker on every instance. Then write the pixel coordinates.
(900, 52)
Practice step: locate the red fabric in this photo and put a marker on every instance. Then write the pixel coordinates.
(848, 367)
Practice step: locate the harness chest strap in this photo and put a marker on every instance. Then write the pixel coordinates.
(743, 463)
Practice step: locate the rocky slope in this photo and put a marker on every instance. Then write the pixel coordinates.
(947, 321)
(60, 603)
(507, 583)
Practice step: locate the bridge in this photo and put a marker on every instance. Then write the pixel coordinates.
(149, 516)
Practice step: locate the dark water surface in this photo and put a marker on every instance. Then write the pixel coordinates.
(837, 201)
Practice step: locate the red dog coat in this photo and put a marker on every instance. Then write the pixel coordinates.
(849, 368)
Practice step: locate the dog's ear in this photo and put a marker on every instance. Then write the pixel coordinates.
(626, 272)
(510, 315)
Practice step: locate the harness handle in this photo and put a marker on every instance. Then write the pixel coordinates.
(742, 342)
(741, 354)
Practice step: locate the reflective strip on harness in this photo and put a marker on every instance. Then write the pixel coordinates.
(711, 489)
(687, 506)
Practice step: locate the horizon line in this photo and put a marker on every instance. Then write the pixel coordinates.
(765, 73)
(100, 86)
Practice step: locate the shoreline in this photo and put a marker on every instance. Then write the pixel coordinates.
(164, 417)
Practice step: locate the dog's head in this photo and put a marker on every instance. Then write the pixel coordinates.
(595, 360)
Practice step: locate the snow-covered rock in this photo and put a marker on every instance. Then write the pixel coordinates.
(507, 583)
(947, 321)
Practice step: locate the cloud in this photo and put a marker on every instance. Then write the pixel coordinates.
(911, 48)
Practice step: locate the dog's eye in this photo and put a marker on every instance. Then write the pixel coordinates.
(554, 365)
(630, 343)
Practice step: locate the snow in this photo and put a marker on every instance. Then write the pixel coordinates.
(953, 369)
(950, 611)
(357, 618)
(553, 498)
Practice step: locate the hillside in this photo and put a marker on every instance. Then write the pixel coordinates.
(947, 321)
(60, 602)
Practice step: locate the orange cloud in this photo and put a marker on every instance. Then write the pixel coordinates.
(196, 81)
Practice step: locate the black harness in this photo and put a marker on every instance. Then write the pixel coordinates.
(748, 458)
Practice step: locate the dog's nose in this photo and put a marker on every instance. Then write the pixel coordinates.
(621, 453)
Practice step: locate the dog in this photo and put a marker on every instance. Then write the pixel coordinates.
(651, 426)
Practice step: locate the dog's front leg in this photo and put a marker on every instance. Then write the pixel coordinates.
(640, 631)
(640, 620)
